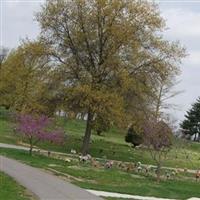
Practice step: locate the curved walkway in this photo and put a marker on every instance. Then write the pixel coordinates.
(45, 186)
(70, 191)
(127, 196)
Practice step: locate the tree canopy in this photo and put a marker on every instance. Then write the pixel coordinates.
(191, 124)
(110, 52)
(36, 129)
(133, 137)
(157, 137)
(105, 59)
(25, 79)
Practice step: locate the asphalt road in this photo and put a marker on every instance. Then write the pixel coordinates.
(45, 186)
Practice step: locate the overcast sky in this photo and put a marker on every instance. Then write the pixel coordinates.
(182, 18)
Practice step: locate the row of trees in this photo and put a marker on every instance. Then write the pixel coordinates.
(105, 59)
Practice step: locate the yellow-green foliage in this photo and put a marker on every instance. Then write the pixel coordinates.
(24, 76)
(111, 55)
(107, 60)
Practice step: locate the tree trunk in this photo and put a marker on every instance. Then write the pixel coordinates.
(88, 131)
(158, 172)
(65, 116)
(195, 137)
(31, 147)
(198, 138)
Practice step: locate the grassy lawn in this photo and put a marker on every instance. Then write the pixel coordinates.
(110, 146)
(10, 190)
(112, 180)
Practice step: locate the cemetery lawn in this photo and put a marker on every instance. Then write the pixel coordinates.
(111, 145)
(111, 180)
(9, 189)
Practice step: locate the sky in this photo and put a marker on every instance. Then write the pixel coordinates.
(183, 24)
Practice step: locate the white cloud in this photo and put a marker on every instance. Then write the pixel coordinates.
(182, 22)
(18, 21)
(193, 59)
(184, 25)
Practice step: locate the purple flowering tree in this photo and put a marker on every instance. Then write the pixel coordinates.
(158, 139)
(36, 129)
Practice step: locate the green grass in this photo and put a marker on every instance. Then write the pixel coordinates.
(113, 146)
(6, 132)
(112, 180)
(110, 146)
(77, 128)
(10, 190)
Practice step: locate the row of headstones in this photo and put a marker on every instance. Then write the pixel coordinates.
(125, 166)
(133, 167)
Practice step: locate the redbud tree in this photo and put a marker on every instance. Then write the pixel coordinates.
(37, 129)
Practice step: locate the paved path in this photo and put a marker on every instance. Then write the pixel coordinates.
(12, 146)
(45, 186)
(97, 193)
(127, 196)
(20, 147)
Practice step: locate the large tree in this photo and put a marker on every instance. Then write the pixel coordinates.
(191, 124)
(26, 79)
(110, 54)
